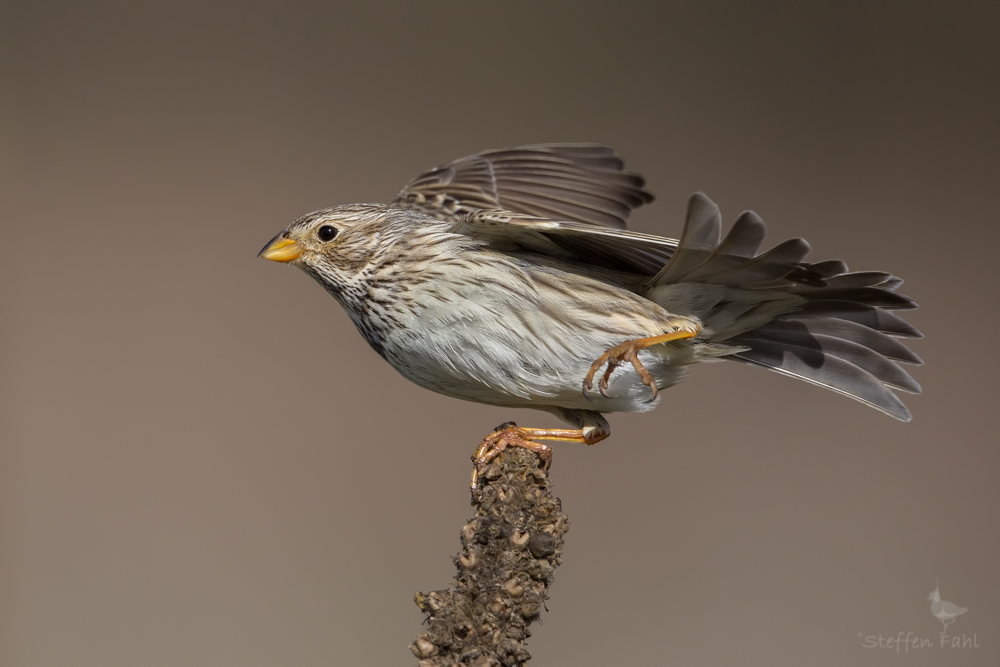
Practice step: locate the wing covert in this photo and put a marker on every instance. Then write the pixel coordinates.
(584, 183)
(606, 247)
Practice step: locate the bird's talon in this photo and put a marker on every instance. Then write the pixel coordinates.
(509, 435)
(603, 384)
(628, 351)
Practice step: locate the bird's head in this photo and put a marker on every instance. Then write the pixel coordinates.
(335, 245)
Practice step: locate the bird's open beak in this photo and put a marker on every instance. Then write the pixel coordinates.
(281, 249)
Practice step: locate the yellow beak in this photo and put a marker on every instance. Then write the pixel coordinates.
(280, 249)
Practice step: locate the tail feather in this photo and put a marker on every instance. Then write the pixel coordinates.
(775, 264)
(834, 373)
(872, 317)
(741, 243)
(814, 348)
(817, 322)
(702, 230)
(876, 341)
(745, 237)
(868, 296)
(892, 284)
(828, 268)
(859, 279)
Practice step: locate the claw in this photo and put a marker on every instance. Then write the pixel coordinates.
(510, 435)
(628, 351)
(646, 376)
(588, 382)
(654, 391)
(603, 384)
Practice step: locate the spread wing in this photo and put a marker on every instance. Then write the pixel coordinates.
(584, 183)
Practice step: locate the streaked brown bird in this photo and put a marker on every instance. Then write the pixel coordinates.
(508, 278)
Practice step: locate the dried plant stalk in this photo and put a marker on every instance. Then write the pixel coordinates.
(510, 550)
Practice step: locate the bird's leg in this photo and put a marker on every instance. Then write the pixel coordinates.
(510, 434)
(628, 351)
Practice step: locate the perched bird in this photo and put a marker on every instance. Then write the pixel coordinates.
(508, 278)
(945, 612)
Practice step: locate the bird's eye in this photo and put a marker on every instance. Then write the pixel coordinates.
(327, 233)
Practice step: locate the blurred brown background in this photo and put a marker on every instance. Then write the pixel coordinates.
(203, 464)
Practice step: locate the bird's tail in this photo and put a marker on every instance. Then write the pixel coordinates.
(816, 322)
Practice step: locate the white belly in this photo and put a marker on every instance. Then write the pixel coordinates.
(492, 345)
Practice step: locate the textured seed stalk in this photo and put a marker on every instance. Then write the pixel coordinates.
(510, 550)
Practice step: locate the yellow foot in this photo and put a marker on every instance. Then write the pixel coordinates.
(511, 435)
(627, 351)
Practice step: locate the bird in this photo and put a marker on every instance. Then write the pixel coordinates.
(509, 278)
(946, 612)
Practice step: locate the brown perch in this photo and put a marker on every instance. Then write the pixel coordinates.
(510, 550)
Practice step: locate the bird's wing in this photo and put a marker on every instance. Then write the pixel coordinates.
(584, 183)
(953, 609)
(604, 247)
